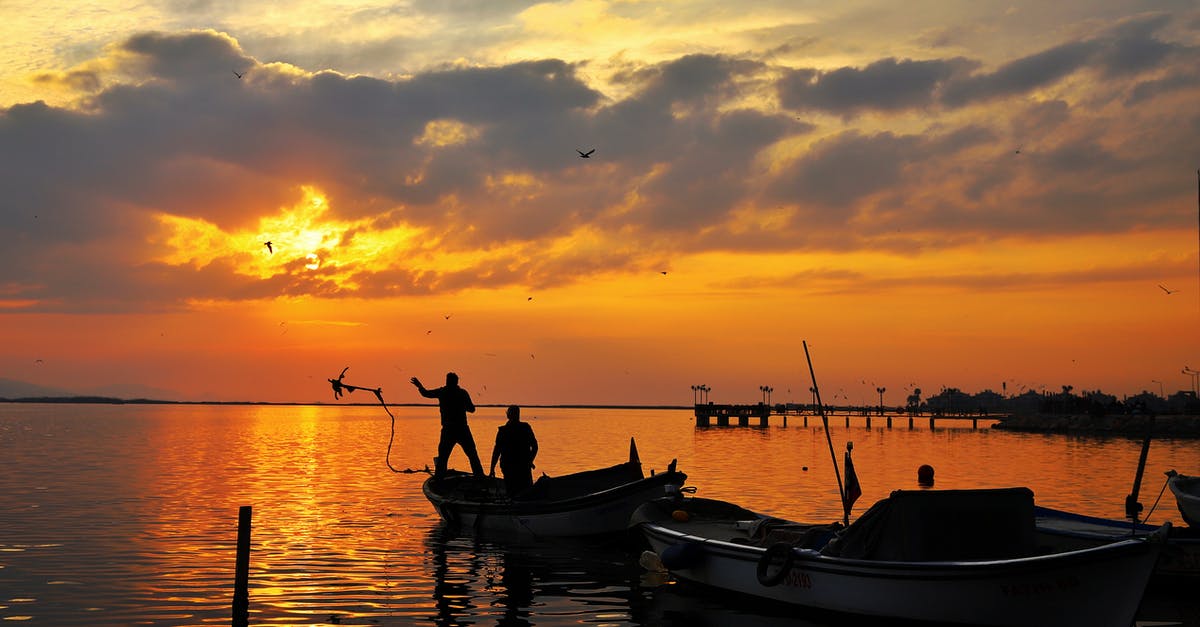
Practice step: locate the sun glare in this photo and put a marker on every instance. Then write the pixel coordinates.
(300, 238)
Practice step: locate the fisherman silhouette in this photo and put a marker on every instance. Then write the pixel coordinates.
(454, 404)
(515, 449)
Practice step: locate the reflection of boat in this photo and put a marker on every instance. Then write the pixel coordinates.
(521, 580)
(1065, 531)
(1187, 496)
(951, 556)
(591, 502)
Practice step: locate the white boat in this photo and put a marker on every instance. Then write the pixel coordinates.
(1187, 496)
(953, 556)
(592, 502)
(1179, 563)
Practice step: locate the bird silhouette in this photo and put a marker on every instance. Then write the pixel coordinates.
(269, 248)
(235, 73)
(529, 299)
(585, 155)
(1166, 290)
(447, 316)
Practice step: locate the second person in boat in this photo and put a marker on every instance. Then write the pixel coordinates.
(516, 447)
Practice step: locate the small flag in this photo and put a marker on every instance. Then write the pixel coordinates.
(853, 490)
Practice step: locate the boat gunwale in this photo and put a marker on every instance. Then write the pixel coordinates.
(813, 559)
(518, 507)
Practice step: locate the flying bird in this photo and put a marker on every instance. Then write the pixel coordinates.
(235, 73)
(529, 299)
(447, 316)
(663, 272)
(585, 155)
(269, 248)
(1166, 290)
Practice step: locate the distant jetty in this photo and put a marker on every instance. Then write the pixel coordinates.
(1125, 425)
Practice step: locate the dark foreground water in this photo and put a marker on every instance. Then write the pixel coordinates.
(127, 514)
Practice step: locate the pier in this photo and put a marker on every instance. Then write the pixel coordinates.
(759, 414)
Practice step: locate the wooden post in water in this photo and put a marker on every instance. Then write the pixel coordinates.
(910, 421)
(889, 424)
(868, 421)
(241, 577)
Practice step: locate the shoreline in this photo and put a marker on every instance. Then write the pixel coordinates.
(105, 400)
(1124, 425)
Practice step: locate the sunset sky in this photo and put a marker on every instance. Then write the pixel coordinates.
(931, 194)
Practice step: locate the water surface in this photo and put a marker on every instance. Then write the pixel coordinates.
(127, 514)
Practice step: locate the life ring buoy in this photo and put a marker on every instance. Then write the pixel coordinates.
(779, 556)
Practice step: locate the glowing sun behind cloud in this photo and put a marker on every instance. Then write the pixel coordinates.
(303, 237)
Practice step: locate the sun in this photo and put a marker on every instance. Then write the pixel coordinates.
(306, 236)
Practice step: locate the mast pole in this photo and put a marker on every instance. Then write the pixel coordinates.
(829, 439)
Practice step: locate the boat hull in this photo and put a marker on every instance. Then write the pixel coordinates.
(1090, 587)
(1187, 496)
(601, 512)
(1179, 562)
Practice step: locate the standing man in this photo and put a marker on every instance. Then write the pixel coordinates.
(515, 448)
(454, 403)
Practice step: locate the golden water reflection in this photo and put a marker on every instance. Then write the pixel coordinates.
(117, 515)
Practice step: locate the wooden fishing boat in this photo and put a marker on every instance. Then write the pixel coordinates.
(592, 502)
(1179, 563)
(952, 556)
(1187, 496)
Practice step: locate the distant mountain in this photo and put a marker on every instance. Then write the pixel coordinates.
(135, 390)
(11, 388)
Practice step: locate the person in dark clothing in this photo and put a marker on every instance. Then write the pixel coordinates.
(454, 404)
(515, 449)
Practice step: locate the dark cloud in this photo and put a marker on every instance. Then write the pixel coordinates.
(890, 85)
(163, 126)
(839, 171)
(1020, 76)
(885, 85)
(1173, 82)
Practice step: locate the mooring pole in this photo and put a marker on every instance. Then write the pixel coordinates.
(1133, 509)
(241, 577)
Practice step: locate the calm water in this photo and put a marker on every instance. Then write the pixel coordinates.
(124, 515)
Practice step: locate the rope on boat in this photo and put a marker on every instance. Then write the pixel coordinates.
(1160, 494)
(339, 387)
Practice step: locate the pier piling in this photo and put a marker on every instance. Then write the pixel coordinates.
(241, 577)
